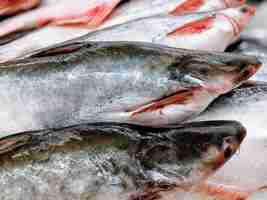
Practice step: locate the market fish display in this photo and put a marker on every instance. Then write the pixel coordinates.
(115, 161)
(93, 12)
(10, 7)
(115, 81)
(194, 31)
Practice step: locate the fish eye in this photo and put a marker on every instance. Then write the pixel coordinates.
(228, 153)
(244, 10)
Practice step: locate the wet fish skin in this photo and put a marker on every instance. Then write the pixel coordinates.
(133, 10)
(11, 7)
(190, 31)
(246, 104)
(242, 104)
(120, 82)
(153, 29)
(116, 159)
(92, 12)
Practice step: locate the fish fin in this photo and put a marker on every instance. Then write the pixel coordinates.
(90, 19)
(195, 27)
(188, 6)
(181, 97)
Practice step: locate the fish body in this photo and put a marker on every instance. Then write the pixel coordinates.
(114, 160)
(11, 7)
(132, 10)
(189, 31)
(93, 12)
(120, 82)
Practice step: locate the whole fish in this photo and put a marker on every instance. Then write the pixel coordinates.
(193, 31)
(114, 161)
(93, 12)
(115, 81)
(11, 7)
(247, 105)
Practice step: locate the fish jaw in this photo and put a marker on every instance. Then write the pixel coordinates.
(10, 7)
(231, 75)
(193, 152)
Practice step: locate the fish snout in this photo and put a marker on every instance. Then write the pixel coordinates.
(247, 71)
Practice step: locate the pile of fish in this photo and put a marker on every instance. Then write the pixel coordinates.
(130, 100)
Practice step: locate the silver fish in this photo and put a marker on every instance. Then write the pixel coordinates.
(114, 161)
(119, 82)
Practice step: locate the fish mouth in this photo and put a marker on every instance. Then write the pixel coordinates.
(247, 73)
(231, 144)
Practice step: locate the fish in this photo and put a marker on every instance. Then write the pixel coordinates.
(93, 12)
(132, 10)
(130, 82)
(246, 104)
(192, 31)
(11, 7)
(114, 160)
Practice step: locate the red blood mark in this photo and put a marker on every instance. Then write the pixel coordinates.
(235, 24)
(181, 97)
(90, 19)
(188, 7)
(194, 27)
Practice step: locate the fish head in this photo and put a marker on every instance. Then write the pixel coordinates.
(192, 152)
(238, 17)
(218, 73)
